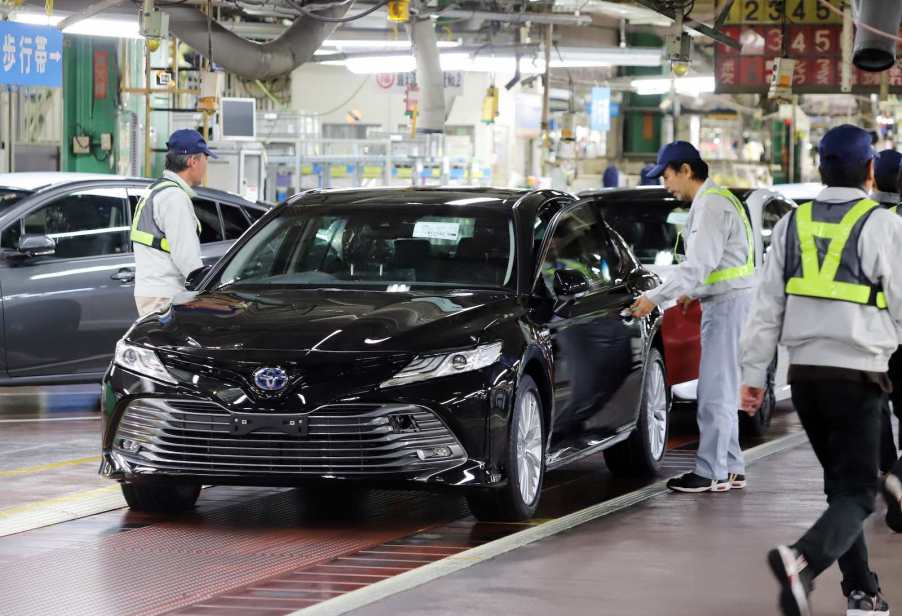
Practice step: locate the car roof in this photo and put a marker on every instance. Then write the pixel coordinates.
(805, 191)
(478, 197)
(33, 180)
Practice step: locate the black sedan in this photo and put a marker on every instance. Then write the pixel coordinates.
(439, 337)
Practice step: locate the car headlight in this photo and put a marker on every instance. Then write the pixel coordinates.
(143, 361)
(424, 367)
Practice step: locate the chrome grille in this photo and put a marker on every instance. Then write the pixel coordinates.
(196, 436)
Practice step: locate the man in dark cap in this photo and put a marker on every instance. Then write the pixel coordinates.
(831, 294)
(886, 173)
(719, 270)
(165, 230)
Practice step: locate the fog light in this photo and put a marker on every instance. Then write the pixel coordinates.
(434, 452)
(129, 445)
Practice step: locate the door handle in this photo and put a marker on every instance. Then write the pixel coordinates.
(124, 275)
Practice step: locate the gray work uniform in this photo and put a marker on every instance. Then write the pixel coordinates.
(159, 275)
(716, 239)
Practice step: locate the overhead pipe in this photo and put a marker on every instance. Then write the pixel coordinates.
(874, 51)
(246, 58)
(431, 80)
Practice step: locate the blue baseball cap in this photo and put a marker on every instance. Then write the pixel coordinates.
(188, 141)
(886, 170)
(676, 152)
(845, 144)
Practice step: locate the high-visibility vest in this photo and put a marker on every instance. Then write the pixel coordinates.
(144, 227)
(830, 270)
(748, 268)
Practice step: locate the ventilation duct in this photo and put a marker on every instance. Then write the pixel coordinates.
(246, 58)
(873, 51)
(430, 78)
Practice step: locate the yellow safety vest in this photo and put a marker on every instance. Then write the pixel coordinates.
(144, 228)
(818, 277)
(748, 268)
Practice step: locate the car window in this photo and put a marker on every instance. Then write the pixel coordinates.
(253, 213)
(210, 229)
(652, 229)
(579, 242)
(383, 247)
(204, 209)
(773, 211)
(9, 237)
(11, 196)
(84, 224)
(233, 221)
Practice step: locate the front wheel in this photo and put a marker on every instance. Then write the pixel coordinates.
(160, 498)
(518, 499)
(642, 452)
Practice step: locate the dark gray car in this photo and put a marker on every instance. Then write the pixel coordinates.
(67, 269)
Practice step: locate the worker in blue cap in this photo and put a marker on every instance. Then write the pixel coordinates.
(165, 230)
(644, 179)
(611, 177)
(719, 270)
(831, 293)
(886, 193)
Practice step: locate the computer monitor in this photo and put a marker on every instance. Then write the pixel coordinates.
(238, 119)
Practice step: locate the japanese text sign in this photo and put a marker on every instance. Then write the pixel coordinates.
(30, 55)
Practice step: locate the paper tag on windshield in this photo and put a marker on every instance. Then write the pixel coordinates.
(437, 230)
(678, 218)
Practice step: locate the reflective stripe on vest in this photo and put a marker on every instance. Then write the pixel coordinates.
(819, 280)
(748, 268)
(144, 227)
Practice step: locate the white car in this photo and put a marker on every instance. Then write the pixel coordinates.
(650, 220)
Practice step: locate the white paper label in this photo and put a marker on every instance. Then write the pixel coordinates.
(437, 230)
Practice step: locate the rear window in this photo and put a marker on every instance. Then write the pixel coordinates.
(652, 229)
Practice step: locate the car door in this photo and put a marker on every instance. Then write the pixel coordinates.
(63, 313)
(596, 350)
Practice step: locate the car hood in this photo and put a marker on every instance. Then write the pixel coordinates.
(265, 324)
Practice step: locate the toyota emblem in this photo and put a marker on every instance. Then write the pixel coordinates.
(271, 379)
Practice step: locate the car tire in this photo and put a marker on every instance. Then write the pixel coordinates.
(518, 498)
(757, 425)
(160, 498)
(642, 452)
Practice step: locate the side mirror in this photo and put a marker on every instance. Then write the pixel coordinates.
(570, 283)
(194, 278)
(37, 246)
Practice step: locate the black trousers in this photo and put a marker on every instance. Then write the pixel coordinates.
(843, 422)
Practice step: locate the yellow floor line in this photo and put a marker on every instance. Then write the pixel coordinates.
(40, 468)
(56, 502)
(30, 516)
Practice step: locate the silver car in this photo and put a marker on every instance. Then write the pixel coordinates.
(67, 270)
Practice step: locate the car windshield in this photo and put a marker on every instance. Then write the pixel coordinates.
(390, 248)
(11, 196)
(652, 229)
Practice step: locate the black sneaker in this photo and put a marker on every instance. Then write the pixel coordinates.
(863, 604)
(789, 568)
(692, 483)
(737, 481)
(892, 493)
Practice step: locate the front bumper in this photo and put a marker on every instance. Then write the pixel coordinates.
(156, 432)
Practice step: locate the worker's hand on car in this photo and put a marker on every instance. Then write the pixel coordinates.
(750, 399)
(642, 307)
(684, 302)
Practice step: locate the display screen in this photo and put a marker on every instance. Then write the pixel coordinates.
(238, 120)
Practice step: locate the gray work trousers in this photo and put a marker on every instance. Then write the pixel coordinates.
(718, 386)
